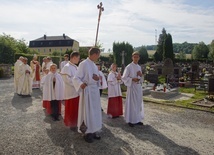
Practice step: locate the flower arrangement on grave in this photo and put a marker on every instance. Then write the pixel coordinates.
(210, 98)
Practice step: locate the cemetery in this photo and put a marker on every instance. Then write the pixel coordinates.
(191, 83)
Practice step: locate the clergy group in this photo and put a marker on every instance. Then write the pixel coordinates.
(79, 85)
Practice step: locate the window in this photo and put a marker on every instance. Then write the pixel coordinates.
(49, 50)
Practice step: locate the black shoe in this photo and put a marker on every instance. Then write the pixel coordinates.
(115, 117)
(131, 125)
(96, 136)
(88, 137)
(57, 118)
(140, 123)
(101, 109)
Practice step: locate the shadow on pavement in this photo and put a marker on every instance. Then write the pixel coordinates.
(73, 143)
(21, 103)
(37, 93)
(148, 133)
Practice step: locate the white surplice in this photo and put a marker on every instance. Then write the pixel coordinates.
(89, 104)
(103, 83)
(134, 108)
(114, 89)
(49, 92)
(68, 72)
(62, 64)
(16, 74)
(24, 80)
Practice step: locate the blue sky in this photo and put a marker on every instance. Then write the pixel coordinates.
(122, 20)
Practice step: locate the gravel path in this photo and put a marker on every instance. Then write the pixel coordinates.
(25, 129)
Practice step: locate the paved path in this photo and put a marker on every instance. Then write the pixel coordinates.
(25, 129)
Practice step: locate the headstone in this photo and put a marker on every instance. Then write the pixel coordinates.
(195, 70)
(152, 78)
(168, 67)
(6, 68)
(211, 86)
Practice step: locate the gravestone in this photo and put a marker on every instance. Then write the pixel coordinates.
(152, 78)
(168, 67)
(195, 70)
(6, 68)
(211, 86)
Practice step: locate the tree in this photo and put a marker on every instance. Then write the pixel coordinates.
(168, 47)
(83, 52)
(200, 51)
(143, 55)
(159, 52)
(211, 53)
(117, 51)
(181, 55)
(9, 46)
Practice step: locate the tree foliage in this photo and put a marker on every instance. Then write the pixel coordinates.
(143, 55)
(211, 53)
(185, 47)
(164, 47)
(168, 48)
(9, 46)
(83, 52)
(117, 52)
(200, 51)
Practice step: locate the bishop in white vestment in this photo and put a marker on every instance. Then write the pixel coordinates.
(25, 79)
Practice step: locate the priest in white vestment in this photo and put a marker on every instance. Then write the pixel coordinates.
(25, 79)
(16, 72)
(86, 82)
(132, 78)
(71, 95)
(53, 91)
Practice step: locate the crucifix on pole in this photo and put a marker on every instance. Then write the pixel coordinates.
(101, 8)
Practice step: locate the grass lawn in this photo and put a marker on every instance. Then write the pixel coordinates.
(198, 95)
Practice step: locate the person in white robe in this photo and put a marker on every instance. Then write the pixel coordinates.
(71, 95)
(132, 78)
(44, 62)
(49, 62)
(103, 82)
(63, 63)
(25, 79)
(115, 102)
(16, 72)
(86, 82)
(53, 91)
(35, 66)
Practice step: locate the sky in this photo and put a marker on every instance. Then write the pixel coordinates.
(133, 21)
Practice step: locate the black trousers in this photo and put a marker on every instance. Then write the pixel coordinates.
(55, 108)
(101, 92)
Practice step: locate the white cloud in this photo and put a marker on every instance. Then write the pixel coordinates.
(122, 20)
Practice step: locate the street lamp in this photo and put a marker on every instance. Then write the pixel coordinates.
(99, 6)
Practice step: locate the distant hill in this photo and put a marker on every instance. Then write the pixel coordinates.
(177, 47)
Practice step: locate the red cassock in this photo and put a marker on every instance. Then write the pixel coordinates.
(115, 106)
(71, 112)
(47, 106)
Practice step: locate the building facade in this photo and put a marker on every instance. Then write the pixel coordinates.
(48, 44)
